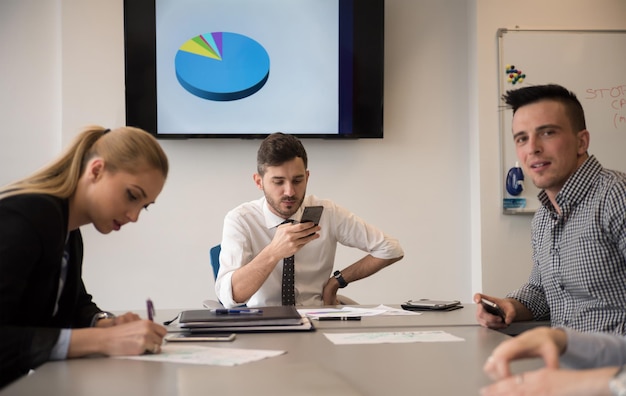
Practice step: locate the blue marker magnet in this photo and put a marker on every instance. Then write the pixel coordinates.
(515, 180)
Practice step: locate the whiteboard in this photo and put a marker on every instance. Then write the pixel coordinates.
(592, 64)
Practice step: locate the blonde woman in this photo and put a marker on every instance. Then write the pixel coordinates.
(105, 178)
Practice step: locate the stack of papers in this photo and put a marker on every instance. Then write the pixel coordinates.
(348, 311)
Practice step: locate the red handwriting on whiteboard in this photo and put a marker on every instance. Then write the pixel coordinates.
(615, 97)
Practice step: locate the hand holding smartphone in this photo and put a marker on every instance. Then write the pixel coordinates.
(492, 308)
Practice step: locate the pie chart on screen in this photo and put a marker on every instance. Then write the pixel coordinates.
(222, 66)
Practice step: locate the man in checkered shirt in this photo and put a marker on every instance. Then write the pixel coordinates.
(578, 278)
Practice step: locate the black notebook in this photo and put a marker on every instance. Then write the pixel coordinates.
(240, 317)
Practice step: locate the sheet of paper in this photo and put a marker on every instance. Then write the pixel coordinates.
(391, 337)
(193, 354)
(354, 311)
(396, 311)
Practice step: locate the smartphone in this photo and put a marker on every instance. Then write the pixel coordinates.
(492, 308)
(312, 214)
(199, 337)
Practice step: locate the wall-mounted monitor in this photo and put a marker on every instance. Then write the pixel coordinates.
(247, 68)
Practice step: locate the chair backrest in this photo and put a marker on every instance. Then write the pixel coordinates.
(214, 255)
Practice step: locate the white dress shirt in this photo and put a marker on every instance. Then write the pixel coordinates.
(250, 227)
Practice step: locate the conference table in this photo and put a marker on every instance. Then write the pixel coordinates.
(311, 364)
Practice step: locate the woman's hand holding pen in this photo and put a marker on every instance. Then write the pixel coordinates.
(125, 334)
(132, 338)
(135, 338)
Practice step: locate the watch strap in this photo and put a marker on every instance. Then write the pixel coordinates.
(342, 282)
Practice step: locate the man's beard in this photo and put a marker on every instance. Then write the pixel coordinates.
(277, 207)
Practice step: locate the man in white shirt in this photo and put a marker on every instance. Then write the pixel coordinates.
(256, 240)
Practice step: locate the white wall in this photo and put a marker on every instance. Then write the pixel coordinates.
(30, 95)
(432, 182)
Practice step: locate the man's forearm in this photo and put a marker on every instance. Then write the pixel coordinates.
(365, 267)
(249, 278)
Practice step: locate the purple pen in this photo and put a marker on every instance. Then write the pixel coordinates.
(150, 309)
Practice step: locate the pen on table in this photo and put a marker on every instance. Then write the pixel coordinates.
(225, 311)
(324, 318)
(150, 309)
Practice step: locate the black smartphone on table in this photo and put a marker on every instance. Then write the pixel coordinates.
(425, 304)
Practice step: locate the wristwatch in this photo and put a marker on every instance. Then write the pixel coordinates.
(101, 315)
(339, 277)
(617, 384)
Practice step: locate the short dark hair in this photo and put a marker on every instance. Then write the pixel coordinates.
(278, 148)
(517, 98)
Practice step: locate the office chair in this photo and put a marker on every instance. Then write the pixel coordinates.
(214, 255)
